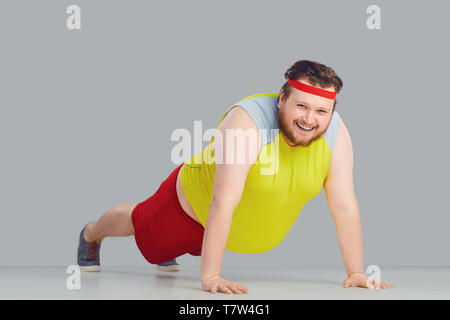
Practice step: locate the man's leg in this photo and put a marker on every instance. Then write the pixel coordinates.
(116, 222)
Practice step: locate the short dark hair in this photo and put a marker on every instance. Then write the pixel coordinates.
(317, 74)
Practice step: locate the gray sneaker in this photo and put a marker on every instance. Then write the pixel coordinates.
(170, 265)
(88, 254)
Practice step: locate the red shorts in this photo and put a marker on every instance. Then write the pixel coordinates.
(162, 229)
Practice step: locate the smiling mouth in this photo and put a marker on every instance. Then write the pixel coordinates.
(304, 129)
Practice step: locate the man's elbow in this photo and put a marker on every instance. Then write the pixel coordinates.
(223, 204)
(346, 216)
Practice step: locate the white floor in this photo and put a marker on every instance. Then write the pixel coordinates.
(264, 283)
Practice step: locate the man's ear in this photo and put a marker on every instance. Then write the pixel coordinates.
(281, 95)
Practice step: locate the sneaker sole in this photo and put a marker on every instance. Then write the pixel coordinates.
(90, 268)
(168, 268)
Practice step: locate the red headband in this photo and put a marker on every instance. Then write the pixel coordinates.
(313, 90)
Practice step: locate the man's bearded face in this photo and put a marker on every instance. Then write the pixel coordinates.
(302, 109)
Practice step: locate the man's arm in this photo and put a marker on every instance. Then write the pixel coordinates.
(229, 184)
(343, 205)
(342, 202)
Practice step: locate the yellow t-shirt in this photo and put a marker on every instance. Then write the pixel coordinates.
(278, 185)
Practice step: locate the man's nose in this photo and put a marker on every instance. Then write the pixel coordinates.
(308, 117)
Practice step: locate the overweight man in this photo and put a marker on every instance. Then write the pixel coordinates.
(269, 155)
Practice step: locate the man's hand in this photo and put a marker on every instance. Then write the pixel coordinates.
(359, 279)
(217, 284)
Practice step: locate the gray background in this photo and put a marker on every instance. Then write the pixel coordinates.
(86, 116)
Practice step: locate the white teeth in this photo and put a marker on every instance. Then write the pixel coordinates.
(303, 126)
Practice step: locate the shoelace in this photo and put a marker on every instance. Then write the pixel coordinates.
(92, 251)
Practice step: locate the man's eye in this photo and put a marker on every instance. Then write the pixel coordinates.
(300, 105)
(322, 111)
